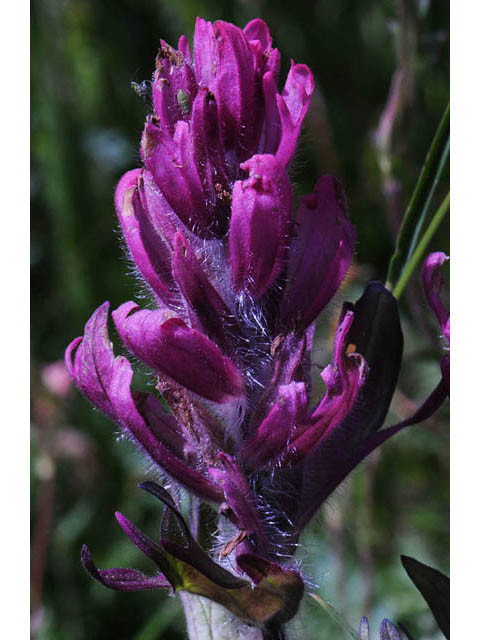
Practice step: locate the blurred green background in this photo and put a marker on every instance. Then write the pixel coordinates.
(86, 126)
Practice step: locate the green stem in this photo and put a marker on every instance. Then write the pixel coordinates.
(207, 620)
(422, 246)
(419, 204)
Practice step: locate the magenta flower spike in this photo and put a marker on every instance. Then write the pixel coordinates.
(208, 221)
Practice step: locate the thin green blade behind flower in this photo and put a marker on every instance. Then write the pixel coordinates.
(419, 205)
(337, 617)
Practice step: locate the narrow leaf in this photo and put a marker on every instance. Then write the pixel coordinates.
(417, 210)
(434, 587)
(422, 246)
(377, 335)
(333, 613)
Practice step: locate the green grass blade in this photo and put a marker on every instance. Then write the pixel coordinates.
(418, 207)
(422, 247)
(161, 620)
(333, 613)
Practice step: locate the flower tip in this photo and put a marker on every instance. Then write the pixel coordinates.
(126, 182)
(431, 265)
(257, 29)
(121, 519)
(364, 629)
(87, 562)
(69, 353)
(436, 258)
(433, 283)
(304, 76)
(128, 528)
(184, 47)
(388, 631)
(158, 492)
(100, 314)
(121, 314)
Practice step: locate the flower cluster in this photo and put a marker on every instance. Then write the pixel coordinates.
(238, 278)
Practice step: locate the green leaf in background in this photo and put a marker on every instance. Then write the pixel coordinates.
(418, 207)
(333, 613)
(434, 587)
(422, 247)
(168, 615)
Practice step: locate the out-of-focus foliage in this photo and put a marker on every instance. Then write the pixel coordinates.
(86, 125)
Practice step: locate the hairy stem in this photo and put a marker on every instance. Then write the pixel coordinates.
(207, 620)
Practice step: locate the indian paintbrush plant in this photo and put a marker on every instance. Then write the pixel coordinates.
(238, 277)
